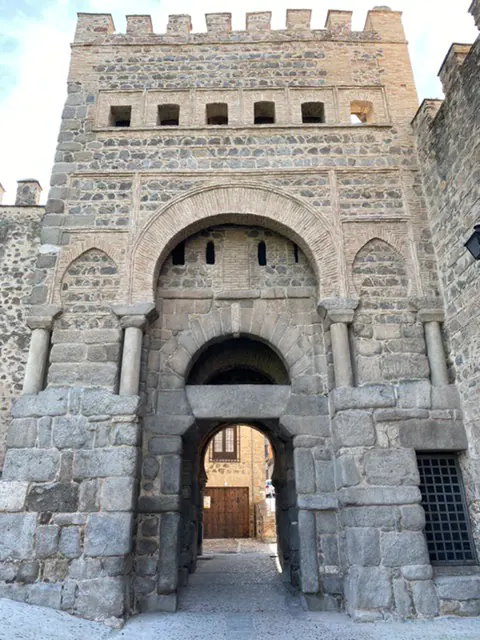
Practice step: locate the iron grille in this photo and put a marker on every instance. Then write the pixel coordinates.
(447, 529)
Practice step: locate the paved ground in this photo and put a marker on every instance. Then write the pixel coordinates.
(236, 594)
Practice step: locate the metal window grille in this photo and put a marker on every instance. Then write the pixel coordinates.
(447, 530)
(225, 446)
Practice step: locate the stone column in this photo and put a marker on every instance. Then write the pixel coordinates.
(40, 321)
(133, 319)
(431, 319)
(339, 314)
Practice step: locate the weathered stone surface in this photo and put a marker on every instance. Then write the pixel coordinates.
(103, 402)
(370, 396)
(392, 467)
(402, 598)
(72, 432)
(405, 548)
(304, 471)
(163, 445)
(101, 598)
(368, 588)
(102, 463)
(425, 598)
(353, 428)
(378, 516)
(308, 556)
(318, 502)
(45, 595)
(168, 561)
(232, 402)
(413, 517)
(46, 540)
(417, 572)
(58, 497)
(69, 544)
(36, 465)
(12, 495)
(22, 433)
(51, 402)
(415, 393)
(108, 534)
(170, 469)
(118, 494)
(16, 535)
(363, 546)
(433, 435)
(458, 587)
(380, 495)
(158, 504)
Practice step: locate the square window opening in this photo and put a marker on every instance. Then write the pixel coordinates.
(361, 112)
(217, 113)
(168, 115)
(120, 116)
(264, 113)
(225, 446)
(313, 112)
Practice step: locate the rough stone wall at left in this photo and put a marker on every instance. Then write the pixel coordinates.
(19, 242)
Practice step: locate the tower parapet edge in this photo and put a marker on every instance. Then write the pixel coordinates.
(382, 24)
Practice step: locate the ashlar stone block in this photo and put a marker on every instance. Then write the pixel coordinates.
(118, 494)
(403, 548)
(108, 534)
(354, 428)
(391, 467)
(363, 546)
(17, 535)
(36, 465)
(368, 588)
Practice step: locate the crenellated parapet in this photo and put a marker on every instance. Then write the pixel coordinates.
(381, 24)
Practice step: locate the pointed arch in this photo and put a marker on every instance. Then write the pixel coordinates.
(387, 269)
(72, 252)
(246, 203)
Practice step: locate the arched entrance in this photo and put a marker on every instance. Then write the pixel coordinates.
(238, 340)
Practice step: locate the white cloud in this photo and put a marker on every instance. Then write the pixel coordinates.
(30, 115)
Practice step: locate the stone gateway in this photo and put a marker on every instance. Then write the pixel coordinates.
(245, 228)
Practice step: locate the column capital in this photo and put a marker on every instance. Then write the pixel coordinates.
(136, 315)
(338, 309)
(430, 315)
(42, 317)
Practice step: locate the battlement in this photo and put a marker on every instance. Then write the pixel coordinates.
(28, 193)
(381, 24)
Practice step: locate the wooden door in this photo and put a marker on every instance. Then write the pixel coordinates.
(226, 512)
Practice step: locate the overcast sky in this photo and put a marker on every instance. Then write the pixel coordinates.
(34, 55)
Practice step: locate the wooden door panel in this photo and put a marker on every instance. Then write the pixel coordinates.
(228, 515)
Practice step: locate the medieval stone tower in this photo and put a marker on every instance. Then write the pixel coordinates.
(236, 231)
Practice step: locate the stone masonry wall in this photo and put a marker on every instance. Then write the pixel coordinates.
(19, 242)
(450, 177)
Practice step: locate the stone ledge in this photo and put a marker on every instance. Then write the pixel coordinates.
(458, 587)
(366, 397)
(238, 402)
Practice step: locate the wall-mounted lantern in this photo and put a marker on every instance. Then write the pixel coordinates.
(473, 243)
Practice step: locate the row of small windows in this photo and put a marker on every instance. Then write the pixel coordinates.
(216, 113)
(178, 254)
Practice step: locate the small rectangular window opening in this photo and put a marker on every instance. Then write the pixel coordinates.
(264, 113)
(210, 253)
(120, 116)
(262, 254)
(313, 112)
(217, 113)
(178, 254)
(168, 115)
(447, 528)
(295, 253)
(361, 112)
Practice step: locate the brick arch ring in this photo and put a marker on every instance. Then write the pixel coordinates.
(245, 203)
(272, 329)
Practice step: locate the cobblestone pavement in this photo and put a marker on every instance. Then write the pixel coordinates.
(236, 596)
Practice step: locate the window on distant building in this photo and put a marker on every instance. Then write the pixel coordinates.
(120, 116)
(313, 112)
(168, 115)
(264, 113)
(361, 112)
(225, 445)
(217, 113)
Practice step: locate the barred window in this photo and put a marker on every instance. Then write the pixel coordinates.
(447, 529)
(225, 445)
